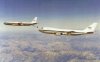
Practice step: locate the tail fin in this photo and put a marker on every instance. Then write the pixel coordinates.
(34, 20)
(91, 28)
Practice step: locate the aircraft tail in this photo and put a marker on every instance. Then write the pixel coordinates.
(34, 20)
(91, 28)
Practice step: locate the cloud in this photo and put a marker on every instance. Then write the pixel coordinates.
(48, 48)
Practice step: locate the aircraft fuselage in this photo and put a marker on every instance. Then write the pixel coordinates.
(19, 24)
(64, 33)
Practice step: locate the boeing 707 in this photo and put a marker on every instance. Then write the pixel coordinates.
(22, 23)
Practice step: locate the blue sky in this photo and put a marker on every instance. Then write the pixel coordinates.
(49, 8)
(54, 13)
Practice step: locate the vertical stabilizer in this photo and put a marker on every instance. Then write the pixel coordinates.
(91, 28)
(34, 20)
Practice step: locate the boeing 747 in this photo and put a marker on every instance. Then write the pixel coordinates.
(49, 30)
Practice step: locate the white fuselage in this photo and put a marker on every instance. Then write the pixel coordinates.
(33, 22)
(57, 31)
(20, 23)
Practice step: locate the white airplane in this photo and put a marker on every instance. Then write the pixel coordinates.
(49, 30)
(22, 23)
